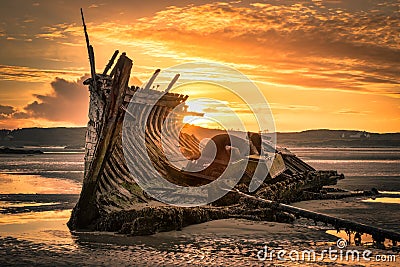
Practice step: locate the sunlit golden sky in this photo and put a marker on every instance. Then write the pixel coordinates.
(320, 64)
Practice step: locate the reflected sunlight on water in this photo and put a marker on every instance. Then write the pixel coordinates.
(29, 217)
(389, 200)
(366, 239)
(35, 184)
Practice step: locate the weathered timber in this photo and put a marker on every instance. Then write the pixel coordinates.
(111, 62)
(87, 210)
(338, 223)
(90, 53)
(151, 81)
(172, 83)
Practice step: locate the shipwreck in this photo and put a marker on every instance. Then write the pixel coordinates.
(112, 200)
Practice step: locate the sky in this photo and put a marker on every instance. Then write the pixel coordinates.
(320, 64)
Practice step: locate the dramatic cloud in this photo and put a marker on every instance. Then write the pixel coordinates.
(317, 44)
(68, 102)
(299, 44)
(26, 74)
(6, 110)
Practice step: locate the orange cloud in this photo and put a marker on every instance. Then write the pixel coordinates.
(296, 44)
(67, 103)
(27, 74)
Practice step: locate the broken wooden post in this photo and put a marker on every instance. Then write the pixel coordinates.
(174, 80)
(150, 82)
(338, 223)
(111, 62)
(91, 54)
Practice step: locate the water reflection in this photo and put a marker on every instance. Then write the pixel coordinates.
(389, 200)
(36, 184)
(366, 239)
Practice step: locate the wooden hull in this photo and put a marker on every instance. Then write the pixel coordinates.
(108, 184)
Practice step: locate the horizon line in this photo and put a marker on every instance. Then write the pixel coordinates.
(278, 132)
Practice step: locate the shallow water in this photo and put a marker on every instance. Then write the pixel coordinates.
(64, 165)
(364, 168)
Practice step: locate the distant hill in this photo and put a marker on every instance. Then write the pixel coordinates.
(338, 138)
(61, 136)
(75, 137)
(320, 138)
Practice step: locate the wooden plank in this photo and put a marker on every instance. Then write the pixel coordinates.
(87, 209)
(377, 233)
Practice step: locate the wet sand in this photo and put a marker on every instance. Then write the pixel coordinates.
(217, 243)
(43, 239)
